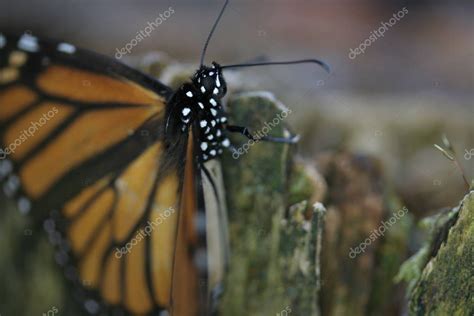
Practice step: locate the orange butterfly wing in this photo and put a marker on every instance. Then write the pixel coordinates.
(83, 136)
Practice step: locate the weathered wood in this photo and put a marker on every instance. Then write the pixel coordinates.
(441, 274)
(274, 267)
(360, 254)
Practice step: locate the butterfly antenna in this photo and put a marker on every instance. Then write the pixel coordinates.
(291, 62)
(212, 32)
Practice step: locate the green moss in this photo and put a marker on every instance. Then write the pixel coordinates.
(28, 268)
(273, 259)
(442, 273)
(390, 256)
(301, 187)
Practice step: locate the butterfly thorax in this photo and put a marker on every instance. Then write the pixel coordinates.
(199, 105)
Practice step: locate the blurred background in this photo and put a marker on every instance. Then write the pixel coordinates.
(393, 102)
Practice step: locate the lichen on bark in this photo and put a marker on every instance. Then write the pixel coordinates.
(441, 274)
(275, 248)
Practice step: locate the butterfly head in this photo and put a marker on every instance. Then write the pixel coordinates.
(210, 81)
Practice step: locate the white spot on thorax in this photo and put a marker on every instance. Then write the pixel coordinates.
(226, 143)
(186, 111)
(28, 43)
(203, 89)
(66, 48)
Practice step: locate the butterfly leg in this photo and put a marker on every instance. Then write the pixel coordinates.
(245, 131)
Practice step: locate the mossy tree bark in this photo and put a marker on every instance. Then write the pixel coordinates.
(274, 265)
(441, 274)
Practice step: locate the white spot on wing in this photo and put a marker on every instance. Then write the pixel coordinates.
(203, 89)
(203, 123)
(218, 82)
(91, 306)
(213, 112)
(3, 41)
(164, 313)
(215, 91)
(201, 105)
(66, 48)
(226, 143)
(28, 43)
(213, 102)
(6, 167)
(204, 146)
(11, 185)
(189, 94)
(24, 205)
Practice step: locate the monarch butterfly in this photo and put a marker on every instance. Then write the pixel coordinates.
(127, 169)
